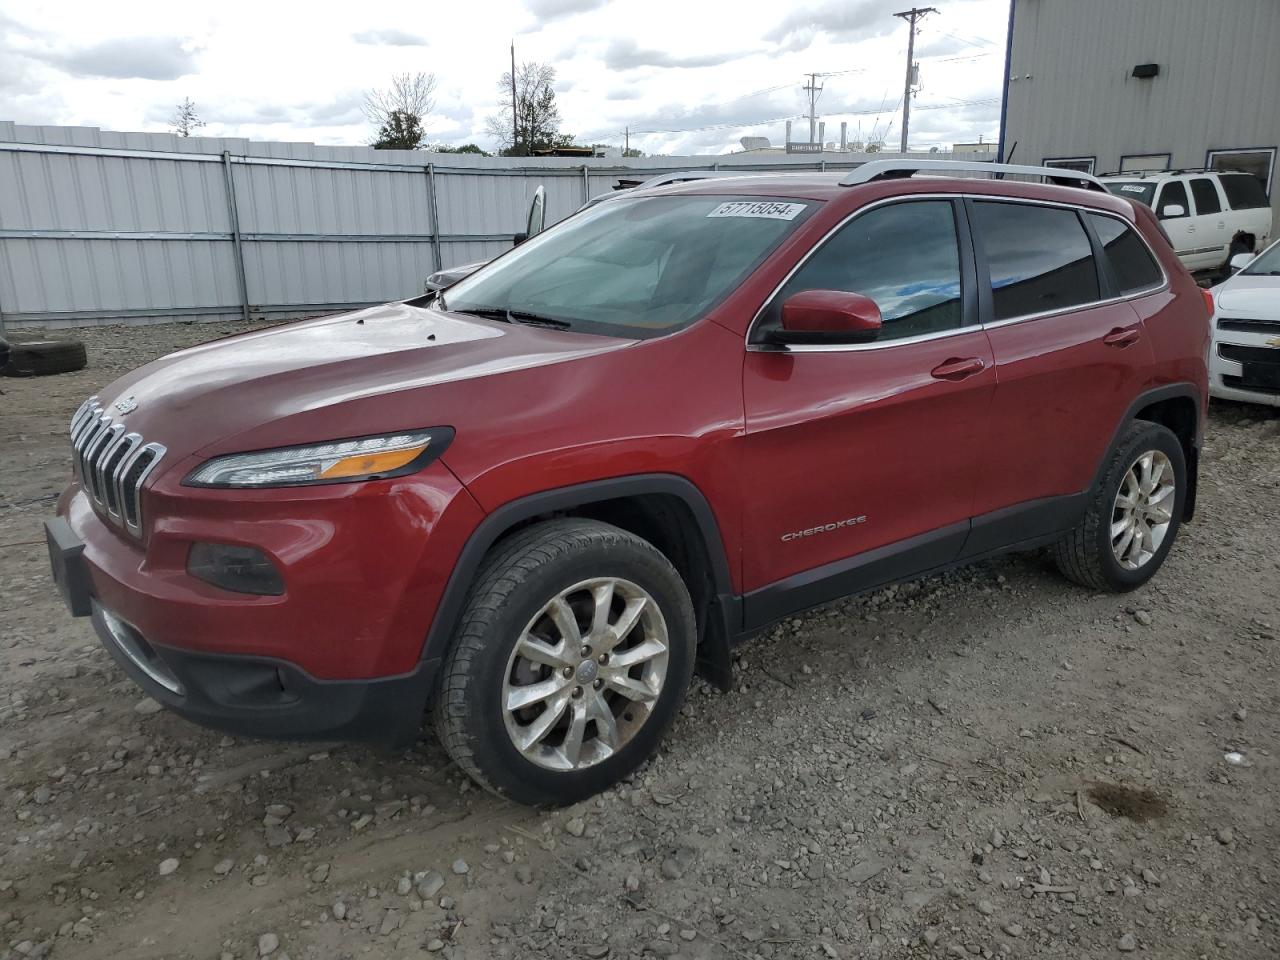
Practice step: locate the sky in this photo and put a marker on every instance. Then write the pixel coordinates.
(686, 76)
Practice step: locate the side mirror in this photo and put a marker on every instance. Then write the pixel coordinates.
(1171, 210)
(827, 317)
(537, 213)
(1240, 261)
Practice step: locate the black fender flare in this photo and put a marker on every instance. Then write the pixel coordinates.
(506, 517)
(1145, 399)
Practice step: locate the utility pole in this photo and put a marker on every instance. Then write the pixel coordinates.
(912, 16)
(515, 123)
(813, 89)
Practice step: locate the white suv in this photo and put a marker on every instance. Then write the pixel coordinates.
(1210, 216)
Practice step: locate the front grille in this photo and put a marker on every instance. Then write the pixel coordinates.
(111, 464)
(1242, 354)
(1249, 326)
(1244, 383)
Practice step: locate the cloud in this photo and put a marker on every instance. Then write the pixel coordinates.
(624, 93)
(141, 58)
(845, 21)
(348, 108)
(548, 10)
(623, 53)
(390, 37)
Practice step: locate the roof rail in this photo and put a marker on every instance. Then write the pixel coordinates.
(900, 169)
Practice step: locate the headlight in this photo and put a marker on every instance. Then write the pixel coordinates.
(340, 461)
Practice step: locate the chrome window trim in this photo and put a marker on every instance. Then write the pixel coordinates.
(925, 337)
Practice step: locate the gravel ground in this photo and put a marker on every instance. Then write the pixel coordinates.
(986, 763)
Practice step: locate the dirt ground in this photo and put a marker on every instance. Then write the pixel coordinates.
(987, 763)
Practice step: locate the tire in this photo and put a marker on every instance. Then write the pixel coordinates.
(570, 559)
(1088, 555)
(39, 358)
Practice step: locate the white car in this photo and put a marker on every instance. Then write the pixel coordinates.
(1244, 360)
(1210, 216)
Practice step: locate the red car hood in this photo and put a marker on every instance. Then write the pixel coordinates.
(358, 373)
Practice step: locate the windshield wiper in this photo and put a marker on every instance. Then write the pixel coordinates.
(507, 315)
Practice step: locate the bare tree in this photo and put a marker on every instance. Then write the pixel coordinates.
(185, 119)
(537, 125)
(399, 111)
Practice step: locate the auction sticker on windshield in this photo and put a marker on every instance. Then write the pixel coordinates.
(768, 209)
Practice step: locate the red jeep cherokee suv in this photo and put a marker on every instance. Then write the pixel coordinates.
(536, 501)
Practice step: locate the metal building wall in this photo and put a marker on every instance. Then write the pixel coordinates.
(1071, 93)
(103, 227)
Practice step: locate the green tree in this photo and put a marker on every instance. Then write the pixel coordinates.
(401, 131)
(399, 112)
(465, 148)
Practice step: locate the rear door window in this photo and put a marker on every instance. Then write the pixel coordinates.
(1040, 258)
(1243, 191)
(1131, 262)
(1172, 193)
(1206, 196)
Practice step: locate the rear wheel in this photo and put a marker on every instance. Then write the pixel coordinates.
(1133, 513)
(574, 654)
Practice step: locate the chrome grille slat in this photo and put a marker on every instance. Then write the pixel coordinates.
(111, 465)
(97, 444)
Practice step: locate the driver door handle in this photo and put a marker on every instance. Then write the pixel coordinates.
(958, 368)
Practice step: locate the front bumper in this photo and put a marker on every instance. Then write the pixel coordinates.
(1245, 366)
(338, 655)
(251, 696)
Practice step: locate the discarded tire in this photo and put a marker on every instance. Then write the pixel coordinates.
(39, 358)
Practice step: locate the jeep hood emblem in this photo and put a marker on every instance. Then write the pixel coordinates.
(126, 406)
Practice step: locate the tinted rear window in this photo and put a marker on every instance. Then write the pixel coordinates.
(1131, 261)
(1039, 257)
(1243, 191)
(1205, 195)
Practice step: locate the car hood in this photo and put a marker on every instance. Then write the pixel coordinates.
(1254, 297)
(336, 376)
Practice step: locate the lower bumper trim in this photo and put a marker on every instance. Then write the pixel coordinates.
(268, 697)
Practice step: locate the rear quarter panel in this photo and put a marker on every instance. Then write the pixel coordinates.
(1176, 320)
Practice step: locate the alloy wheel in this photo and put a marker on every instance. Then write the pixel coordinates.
(1143, 510)
(585, 674)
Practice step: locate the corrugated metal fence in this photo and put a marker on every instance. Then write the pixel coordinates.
(100, 227)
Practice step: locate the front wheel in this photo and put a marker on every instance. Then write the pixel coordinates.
(574, 653)
(1133, 513)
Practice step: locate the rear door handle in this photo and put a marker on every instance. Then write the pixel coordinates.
(958, 368)
(1122, 337)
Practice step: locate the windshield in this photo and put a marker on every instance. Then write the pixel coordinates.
(634, 267)
(1141, 190)
(1267, 263)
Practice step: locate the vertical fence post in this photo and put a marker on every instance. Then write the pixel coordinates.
(234, 213)
(435, 216)
(586, 184)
